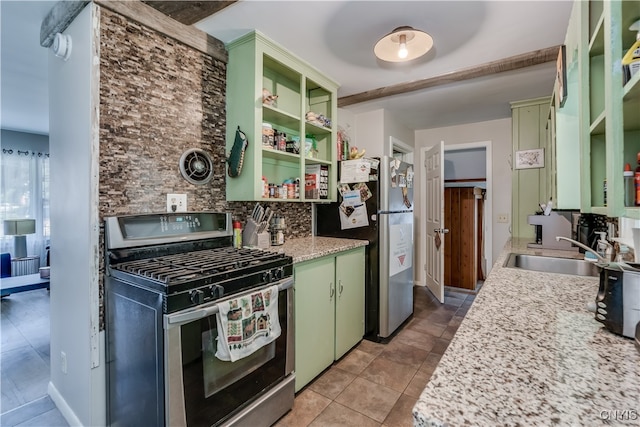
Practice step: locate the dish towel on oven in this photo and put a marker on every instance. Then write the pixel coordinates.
(247, 323)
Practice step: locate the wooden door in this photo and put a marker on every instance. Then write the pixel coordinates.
(461, 243)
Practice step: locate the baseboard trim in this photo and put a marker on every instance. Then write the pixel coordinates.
(62, 405)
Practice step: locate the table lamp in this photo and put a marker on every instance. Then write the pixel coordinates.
(19, 228)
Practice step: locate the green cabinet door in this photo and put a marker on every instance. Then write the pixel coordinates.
(314, 318)
(350, 271)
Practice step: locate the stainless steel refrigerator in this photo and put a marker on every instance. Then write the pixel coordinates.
(390, 253)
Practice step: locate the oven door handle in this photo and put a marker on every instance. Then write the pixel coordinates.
(190, 316)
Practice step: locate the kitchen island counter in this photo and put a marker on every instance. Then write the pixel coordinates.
(529, 353)
(308, 248)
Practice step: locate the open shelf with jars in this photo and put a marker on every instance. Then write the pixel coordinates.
(288, 110)
(610, 130)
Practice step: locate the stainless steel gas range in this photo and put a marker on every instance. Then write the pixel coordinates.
(168, 276)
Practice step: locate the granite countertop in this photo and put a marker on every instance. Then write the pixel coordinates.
(529, 353)
(308, 248)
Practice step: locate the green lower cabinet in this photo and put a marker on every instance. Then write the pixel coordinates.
(314, 317)
(329, 311)
(350, 301)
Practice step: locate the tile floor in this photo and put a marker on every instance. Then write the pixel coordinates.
(373, 385)
(24, 361)
(378, 384)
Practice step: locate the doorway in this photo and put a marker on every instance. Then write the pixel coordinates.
(463, 217)
(400, 150)
(467, 158)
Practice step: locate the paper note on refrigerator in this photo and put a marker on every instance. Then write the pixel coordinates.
(400, 248)
(353, 216)
(351, 198)
(354, 171)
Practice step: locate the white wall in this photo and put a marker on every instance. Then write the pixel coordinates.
(368, 133)
(80, 394)
(625, 233)
(372, 131)
(393, 128)
(465, 164)
(24, 140)
(499, 133)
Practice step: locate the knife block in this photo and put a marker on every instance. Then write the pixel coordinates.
(251, 237)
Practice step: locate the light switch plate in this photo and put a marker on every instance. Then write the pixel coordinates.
(176, 202)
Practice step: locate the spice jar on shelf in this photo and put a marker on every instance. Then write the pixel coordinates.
(267, 135)
(629, 186)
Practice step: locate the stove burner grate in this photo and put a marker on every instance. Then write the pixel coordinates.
(197, 264)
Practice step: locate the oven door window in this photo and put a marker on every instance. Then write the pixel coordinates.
(215, 390)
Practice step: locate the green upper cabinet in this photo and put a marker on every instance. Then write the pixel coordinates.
(610, 110)
(564, 125)
(257, 65)
(530, 185)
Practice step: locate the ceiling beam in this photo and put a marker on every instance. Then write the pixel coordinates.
(58, 19)
(189, 12)
(158, 21)
(507, 64)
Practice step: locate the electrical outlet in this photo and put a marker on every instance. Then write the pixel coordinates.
(176, 202)
(503, 218)
(63, 362)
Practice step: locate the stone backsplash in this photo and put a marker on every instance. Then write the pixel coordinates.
(159, 98)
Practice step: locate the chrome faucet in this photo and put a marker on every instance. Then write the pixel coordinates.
(601, 258)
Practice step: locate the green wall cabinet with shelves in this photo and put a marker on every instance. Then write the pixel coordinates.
(564, 125)
(530, 186)
(610, 114)
(257, 63)
(329, 311)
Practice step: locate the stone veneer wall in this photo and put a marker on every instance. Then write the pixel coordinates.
(159, 98)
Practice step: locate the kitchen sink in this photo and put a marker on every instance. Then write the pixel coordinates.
(547, 264)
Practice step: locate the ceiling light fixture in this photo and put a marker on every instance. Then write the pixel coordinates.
(403, 44)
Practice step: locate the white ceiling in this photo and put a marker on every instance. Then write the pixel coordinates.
(337, 37)
(24, 94)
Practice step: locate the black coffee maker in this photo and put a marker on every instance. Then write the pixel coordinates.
(588, 226)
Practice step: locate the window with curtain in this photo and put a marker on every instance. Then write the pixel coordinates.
(24, 193)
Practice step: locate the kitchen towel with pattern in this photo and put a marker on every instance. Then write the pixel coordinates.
(246, 323)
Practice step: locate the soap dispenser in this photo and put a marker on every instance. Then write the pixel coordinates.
(604, 247)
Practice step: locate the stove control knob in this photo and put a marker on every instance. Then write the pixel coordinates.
(278, 273)
(267, 277)
(213, 291)
(197, 296)
(216, 291)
